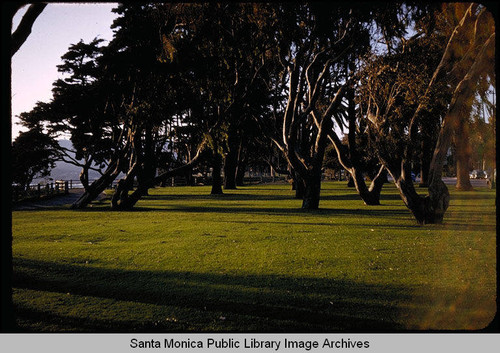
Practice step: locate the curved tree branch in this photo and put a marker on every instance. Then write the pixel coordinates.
(24, 29)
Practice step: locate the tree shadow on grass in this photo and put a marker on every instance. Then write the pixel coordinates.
(369, 212)
(471, 195)
(224, 197)
(260, 197)
(29, 318)
(355, 197)
(364, 226)
(246, 210)
(468, 226)
(271, 303)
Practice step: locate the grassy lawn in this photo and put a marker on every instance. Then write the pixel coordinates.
(251, 260)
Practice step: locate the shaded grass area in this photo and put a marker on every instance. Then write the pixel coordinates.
(251, 260)
(218, 301)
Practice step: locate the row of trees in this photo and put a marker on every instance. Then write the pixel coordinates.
(388, 88)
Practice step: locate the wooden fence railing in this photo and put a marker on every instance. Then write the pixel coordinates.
(58, 187)
(38, 191)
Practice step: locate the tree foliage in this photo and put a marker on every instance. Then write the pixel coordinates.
(33, 156)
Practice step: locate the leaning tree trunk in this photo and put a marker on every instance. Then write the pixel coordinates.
(371, 195)
(24, 28)
(431, 209)
(142, 187)
(426, 209)
(98, 186)
(348, 156)
(114, 168)
(439, 196)
(120, 199)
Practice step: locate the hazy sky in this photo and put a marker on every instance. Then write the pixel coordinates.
(58, 26)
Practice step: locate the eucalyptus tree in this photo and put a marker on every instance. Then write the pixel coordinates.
(482, 131)
(355, 153)
(389, 24)
(397, 99)
(314, 43)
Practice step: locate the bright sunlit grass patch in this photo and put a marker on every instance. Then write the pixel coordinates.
(251, 260)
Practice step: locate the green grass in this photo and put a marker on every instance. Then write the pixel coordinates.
(251, 260)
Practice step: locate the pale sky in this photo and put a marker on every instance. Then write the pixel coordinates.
(58, 26)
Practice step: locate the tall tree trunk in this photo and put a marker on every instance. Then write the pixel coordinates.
(231, 158)
(463, 179)
(424, 174)
(463, 154)
(298, 185)
(231, 167)
(312, 189)
(136, 163)
(8, 319)
(426, 149)
(242, 165)
(216, 174)
(188, 175)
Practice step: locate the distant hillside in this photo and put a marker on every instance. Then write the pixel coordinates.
(66, 171)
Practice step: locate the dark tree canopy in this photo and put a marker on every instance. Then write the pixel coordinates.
(33, 156)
